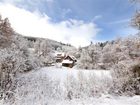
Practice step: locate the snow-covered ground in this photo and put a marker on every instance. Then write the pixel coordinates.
(64, 72)
(100, 101)
(49, 86)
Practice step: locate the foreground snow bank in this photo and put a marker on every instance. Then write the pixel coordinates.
(91, 101)
(65, 86)
(100, 101)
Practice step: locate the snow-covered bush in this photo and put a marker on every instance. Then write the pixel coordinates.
(11, 63)
(126, 78)
(37, 88)
(84, 86)
(71, 87)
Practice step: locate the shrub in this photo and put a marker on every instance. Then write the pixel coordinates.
(126, 78)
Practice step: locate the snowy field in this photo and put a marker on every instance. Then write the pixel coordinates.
(63, 73)
(49, 86)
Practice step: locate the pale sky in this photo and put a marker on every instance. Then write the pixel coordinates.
(77, 22)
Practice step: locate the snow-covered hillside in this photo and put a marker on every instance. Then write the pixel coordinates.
(52, 86)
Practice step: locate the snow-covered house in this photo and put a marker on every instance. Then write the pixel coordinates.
(69, 61)
(59, 57)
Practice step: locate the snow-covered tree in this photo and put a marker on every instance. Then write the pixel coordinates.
(84, 61)
(15, 58)
(44, 51)
(89, 57)
(126, 71)
(12, 62)
(6, 32)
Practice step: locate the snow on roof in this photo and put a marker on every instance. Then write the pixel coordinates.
(67, 61)
(72, 57)
(60, 53)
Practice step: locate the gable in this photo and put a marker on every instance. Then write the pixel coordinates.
(68, 58)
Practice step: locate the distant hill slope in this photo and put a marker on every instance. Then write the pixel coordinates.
(54, 44)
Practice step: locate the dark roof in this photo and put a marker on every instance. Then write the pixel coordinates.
(71, 57)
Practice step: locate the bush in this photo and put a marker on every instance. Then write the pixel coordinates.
(126, 78)
(84, 86)
(14, 60)
(10, 64)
